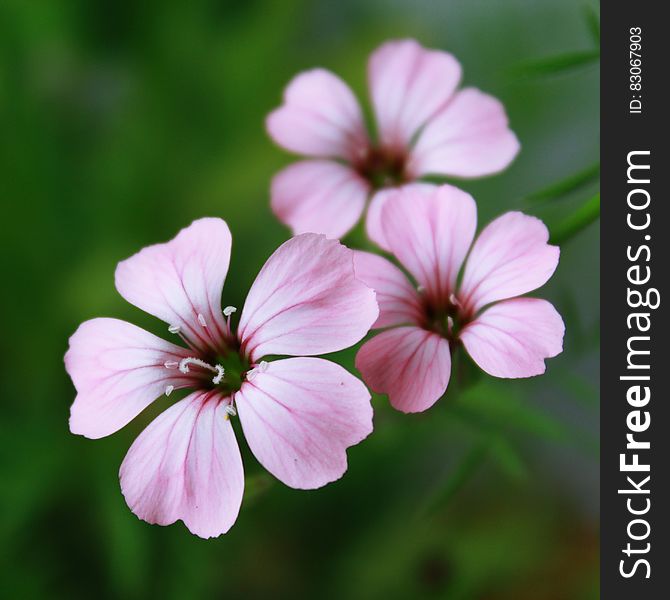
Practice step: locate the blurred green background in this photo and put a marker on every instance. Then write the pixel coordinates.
(120, 122)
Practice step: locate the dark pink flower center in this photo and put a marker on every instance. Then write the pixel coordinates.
(383, 167)
(222, 365)
(446, 318)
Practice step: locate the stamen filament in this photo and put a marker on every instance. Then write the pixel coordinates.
(176, 329)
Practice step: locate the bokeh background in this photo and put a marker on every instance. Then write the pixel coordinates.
(120, 123)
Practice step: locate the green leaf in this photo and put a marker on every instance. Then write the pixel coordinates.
(593, 22)
(493, 446)
(492, 408)
(508, 458)
(565, 186)
(459, 477)
(586, 214)
(495, 411)
(554, 65)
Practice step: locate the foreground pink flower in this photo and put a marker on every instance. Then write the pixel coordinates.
(425, 127)
(299, 415)
(430, 230)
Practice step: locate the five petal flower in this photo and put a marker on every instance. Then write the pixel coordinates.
(299, 414)
(430, 232)
(425, 126)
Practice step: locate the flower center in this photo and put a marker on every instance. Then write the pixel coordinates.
(230, 371)
(223, 358)
(383, 167)
(201, 336)
(226, 361)
(446, 319)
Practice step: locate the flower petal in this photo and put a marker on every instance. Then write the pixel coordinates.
(306, 300)
(373, 219)
(469, 138)
(429, 230)
(409, 364)
(181, 281)
(512, 338)
(409, 84)
(299, 417)
(186, 465)
(510, 257)
(320, 117)
(319, 196)
(118, 370)
(398, 301)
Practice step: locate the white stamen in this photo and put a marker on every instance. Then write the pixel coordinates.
(450, 323)
(230, 410)
(260, 368)
(169, 389)
(420, 289)
(219, 375)
(453, 300)
(170, 364)
(218, 369)
(174, 329)
(201, 320)
(229, 310)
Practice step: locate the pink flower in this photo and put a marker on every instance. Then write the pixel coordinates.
(430, 230)
(299, 415)
(425, 127)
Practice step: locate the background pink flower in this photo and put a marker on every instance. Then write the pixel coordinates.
(425, 126)
(430, 231)
(299, 415)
